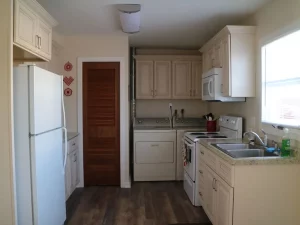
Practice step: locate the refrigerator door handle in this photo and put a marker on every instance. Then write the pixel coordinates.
(64, 124)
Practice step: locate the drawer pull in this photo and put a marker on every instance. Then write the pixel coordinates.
(155, 145)
(73, 144)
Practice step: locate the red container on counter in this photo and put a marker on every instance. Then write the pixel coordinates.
(211, 126)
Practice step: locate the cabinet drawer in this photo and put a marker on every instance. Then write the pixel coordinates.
(201, 174)
(210, 159)
(225, 171)
(72, 144)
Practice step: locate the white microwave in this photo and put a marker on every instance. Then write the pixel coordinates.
(212, 87)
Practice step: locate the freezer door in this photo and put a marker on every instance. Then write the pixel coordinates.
(45, 89)
(48, 182)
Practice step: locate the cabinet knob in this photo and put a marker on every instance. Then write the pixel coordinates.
(202, 153)
(200, 194)
(200, 171)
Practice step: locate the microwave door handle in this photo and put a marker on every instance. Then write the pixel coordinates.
(209, 90)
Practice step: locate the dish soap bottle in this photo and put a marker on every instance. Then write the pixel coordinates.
(286, 143)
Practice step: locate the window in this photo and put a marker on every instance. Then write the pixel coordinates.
(281, 81)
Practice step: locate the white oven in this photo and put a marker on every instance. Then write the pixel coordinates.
(230, 127)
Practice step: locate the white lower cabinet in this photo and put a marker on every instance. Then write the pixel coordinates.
(248, 194)
(72, 168)
(218, 198)
(224, 205)
(209, 194)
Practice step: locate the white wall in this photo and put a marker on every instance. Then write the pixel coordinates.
(274, 20)
(160, 108)
(6, 159)
(96, 47)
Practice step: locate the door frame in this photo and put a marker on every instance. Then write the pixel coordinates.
(124, 117)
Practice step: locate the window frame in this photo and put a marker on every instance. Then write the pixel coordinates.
(262, 53)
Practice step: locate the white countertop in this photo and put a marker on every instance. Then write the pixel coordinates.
(71, 135)
(246, 161)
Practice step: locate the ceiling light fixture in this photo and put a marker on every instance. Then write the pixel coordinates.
(130, 18)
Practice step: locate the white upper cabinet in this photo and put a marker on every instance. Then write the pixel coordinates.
(233, 49)
(33, 28)
(168, 77)
(182, 87)
(196, 80)
(144, 80)
(45, 39)
(162, 79)
(25, 26)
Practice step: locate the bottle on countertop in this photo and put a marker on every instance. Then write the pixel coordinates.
(285, 143)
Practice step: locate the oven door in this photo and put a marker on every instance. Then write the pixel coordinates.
(208, 88)
(190, 154)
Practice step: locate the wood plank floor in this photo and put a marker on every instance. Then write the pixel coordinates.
(146, 203)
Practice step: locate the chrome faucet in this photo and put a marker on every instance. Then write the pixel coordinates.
(262, 142)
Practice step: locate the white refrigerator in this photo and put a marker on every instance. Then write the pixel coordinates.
(40, 146)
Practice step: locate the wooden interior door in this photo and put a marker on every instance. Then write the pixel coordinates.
(101, 123)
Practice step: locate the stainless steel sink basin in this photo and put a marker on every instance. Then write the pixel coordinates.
(235, 146)
(246, 153)
(243, 150)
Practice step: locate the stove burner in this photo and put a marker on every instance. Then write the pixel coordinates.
(202, 137)
(198, 133)
(218, 136)
(212, 133)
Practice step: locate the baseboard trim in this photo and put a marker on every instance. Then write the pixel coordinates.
(126, 184)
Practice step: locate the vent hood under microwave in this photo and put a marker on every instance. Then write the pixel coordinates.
(212, 87)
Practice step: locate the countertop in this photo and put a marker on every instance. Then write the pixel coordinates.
(71, 135)
(248, 161)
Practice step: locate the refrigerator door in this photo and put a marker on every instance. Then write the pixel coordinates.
(47, 177)
(45, 90)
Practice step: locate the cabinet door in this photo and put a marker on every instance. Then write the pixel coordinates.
(144, 80)
(218, 54)
(73, 171)
(224, 203)
(226, 80)
(68, 177)
(77, 168)
(45, 39)
(162, 80)
(209, 194)
(25, 25)
(197, 80)
(181, 79)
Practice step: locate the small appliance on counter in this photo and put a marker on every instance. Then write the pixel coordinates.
(230, 127)
(211, 122)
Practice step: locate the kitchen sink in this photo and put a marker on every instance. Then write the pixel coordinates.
(235, 146)
(246, 153)
(244, 150)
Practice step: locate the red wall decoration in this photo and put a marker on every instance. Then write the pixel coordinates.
(68, 80)
(68, 66)
(68, 92)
